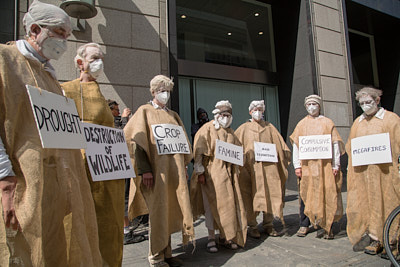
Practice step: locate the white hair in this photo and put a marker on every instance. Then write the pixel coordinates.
(374, 93)
(81, 52)
(257, 104)
(161, 82)
(47, 15)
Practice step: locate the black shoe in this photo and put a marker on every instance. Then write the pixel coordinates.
(364, 242)
(131, 238)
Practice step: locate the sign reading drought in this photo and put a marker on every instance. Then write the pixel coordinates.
(229, 152)
(107, 153)
(315, 147)
(56, 119)
(265, 152)
(371, 149)
(170, 139)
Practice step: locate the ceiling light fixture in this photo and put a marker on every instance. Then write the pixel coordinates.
(260, 33)
(183, 17)
(256, 14)
(229, 33)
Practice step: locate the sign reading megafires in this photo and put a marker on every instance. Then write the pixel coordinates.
(371, 149)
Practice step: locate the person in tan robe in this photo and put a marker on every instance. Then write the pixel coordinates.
(262, 183)
(108, 195)
(320, 179)
(50, 185)
(164, 175)
(214, 187)
(373, 190)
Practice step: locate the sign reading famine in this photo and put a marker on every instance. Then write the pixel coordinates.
(56, 119)
(315, 147)
(265, 152)
(229, 152)
(107, 153)
(170, 139)
(371, 149)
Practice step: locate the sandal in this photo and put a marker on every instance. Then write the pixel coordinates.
(211, 246)
(328, 236)
(229, 244)
(303, 231)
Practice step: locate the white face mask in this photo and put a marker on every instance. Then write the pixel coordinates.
(163, 97)
(257, 115)
(51, 47)
(96, 68)
(225, 122)
(313, 109)
(370, 108)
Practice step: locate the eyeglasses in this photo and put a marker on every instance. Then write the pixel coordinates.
(368, 102)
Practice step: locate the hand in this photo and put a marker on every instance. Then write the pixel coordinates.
(126, 112)
(335, 172)
(7, 186)
(148, 179)
(201, 179)
(298, 172)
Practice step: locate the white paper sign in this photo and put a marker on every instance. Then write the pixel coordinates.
(371, 149)
(315, 147)
(107, 153)
(265, 152)
(229, 152)
(56, 119)
(170, 139)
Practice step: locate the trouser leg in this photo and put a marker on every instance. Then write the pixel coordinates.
(268, 218)
(304, 220)
(208, 213)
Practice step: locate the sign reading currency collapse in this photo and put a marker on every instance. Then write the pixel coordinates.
(56, 119)
(371, 149)
(265, 152)
(229, 152)
(107, 153)
(315, 147)
(170, 139)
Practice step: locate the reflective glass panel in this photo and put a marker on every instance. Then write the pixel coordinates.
(229, 32)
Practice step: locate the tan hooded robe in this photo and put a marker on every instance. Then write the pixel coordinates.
(52, 185)
(263, 183)
(168, 200)
(319, 189)
(222, 184)
(108, 196)
(373, 191)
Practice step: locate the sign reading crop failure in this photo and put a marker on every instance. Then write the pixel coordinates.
(56, 119)
(315, 147)
(371, 149)
(229, 152)
(107, 153)
(265, 152)
(170, 139)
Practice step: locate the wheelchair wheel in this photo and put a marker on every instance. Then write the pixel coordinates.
(391, 236)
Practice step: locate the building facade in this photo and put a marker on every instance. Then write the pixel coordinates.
(240, 50)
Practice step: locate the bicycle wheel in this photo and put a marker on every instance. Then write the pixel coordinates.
(391, 236)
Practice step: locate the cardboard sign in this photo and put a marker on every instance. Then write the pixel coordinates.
(170, 139)
(229, 152)
(107, 153)
(371, 149)
(56, 119)
(265, 152)
(315, 147)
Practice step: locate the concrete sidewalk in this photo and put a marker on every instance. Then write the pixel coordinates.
(288, 250)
